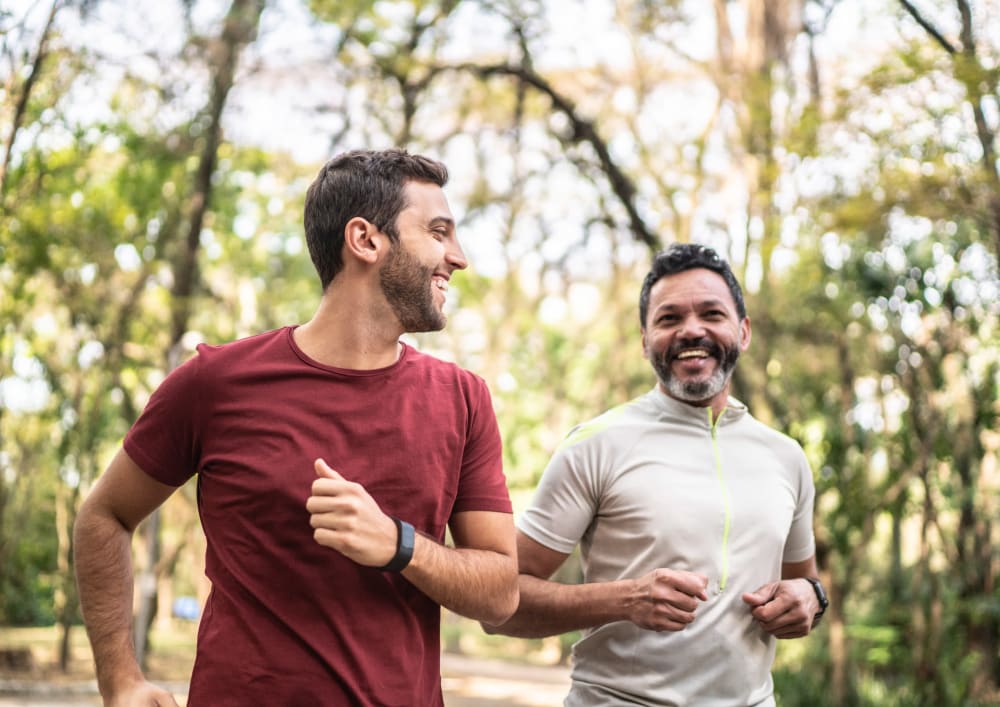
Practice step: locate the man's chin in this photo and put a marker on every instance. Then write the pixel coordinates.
(428, 325)
(690, 394)
(697, 392)
(438, 322)
(700, 381)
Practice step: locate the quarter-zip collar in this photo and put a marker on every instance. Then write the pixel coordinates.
(695, 415)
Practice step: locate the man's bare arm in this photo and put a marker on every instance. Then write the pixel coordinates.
(477, 578)
(102, 546)
(663, 600)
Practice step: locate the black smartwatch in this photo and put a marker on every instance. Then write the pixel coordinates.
(820, 596)
(404, 547)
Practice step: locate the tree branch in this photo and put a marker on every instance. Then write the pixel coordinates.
(22, 100)
(582, 131)
(928, 27)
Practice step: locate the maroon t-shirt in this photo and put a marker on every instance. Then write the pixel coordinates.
(288, 621)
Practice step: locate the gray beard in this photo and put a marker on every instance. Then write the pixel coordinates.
(697, 391)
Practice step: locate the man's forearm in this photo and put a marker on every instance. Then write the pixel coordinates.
(550, 608)
(103, 561)
(477, 584)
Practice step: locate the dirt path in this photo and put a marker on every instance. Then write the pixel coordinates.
(467, 682)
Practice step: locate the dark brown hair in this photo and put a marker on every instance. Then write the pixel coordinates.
(365, 183)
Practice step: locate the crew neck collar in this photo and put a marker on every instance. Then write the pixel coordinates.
(404, 351)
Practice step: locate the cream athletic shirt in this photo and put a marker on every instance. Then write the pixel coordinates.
(653, 483)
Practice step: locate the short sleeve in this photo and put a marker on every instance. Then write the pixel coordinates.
(164, 441)
(483, 486)
(566, 499)
(801, 543)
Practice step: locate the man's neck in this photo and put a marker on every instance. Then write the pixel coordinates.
(350, 332)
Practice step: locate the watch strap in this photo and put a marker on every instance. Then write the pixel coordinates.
(820, 597)
(405, 540)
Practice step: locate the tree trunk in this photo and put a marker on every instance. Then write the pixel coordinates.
(66, 601)
(975, 549)
(238, 30)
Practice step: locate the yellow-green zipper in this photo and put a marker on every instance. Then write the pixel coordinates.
(727, 504)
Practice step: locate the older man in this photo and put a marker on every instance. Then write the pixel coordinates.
(694, 519)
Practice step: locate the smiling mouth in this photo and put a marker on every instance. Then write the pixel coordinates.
(440, 283)
(692, 353)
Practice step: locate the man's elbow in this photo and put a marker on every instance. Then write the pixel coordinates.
(492, 629)
(495, 623)
(88, 521)
(504, 604)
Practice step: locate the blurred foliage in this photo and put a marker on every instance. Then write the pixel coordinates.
(848, 188)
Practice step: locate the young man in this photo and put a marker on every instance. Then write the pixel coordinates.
(694, 520)
(330, 458)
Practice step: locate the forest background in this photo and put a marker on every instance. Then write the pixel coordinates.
(841, 154)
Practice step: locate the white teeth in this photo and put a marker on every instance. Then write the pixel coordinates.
(441, 284)
(693, 353)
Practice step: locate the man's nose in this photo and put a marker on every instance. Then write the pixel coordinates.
(455, 256)
(691, 328)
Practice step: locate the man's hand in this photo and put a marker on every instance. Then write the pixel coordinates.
(143, 694)
(666, 600)
(785, 609)
(347, 519)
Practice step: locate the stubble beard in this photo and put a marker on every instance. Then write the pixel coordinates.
(697, 391)
(406, 284)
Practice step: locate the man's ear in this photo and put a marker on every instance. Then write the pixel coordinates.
(364, 241)
(745, 334)
(645, 348)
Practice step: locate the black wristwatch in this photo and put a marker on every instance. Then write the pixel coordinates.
(820, 596)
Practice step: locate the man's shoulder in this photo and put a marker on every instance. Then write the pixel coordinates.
(441, 369)
(241, 347)
(782, 443)
(611, 426)
(233, 355)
